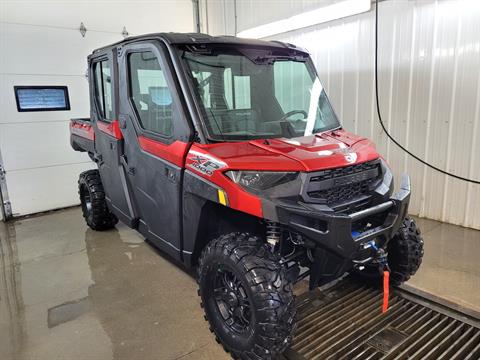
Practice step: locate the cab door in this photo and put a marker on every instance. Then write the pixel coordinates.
(156, 140)
(108, 138)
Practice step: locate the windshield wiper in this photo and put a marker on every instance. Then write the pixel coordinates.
(269, 60)
(323, 129)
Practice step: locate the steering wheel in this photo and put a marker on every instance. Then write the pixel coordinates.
(298, 124)
(293, 112)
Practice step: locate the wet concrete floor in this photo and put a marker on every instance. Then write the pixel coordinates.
(67, 292)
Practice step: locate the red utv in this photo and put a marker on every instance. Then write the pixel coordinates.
(226, 154)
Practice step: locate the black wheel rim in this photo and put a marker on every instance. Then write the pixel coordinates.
(86, 201)
(232, 301)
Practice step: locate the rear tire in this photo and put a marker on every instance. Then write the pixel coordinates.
(405, 253)
(247, 297)
(92, 198)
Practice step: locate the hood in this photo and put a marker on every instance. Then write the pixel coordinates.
(309, 153)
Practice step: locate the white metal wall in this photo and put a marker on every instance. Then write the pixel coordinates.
(429, 71)
(40, 45)
(217, 16)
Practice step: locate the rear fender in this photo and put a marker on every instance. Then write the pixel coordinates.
(82, 135)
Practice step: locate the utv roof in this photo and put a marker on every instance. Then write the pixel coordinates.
(199, 38)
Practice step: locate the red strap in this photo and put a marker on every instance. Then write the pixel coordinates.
(386, 289)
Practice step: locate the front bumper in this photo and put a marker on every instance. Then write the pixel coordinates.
(335, 232)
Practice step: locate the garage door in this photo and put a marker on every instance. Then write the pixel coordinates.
(41, 45)
(41, 168)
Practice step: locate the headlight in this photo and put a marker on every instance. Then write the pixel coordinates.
(260, 180)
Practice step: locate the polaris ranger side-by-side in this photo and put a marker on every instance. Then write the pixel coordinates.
(226, 154)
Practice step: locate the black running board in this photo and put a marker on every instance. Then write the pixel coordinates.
(345, 321)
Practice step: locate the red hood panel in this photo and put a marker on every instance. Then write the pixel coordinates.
(323, 151)
(308, 153)
(247, 156)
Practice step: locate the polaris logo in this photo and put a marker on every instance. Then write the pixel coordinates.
(351, 158)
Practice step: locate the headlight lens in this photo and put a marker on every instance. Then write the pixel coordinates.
(260, 180)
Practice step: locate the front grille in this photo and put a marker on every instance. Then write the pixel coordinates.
(342, 193)
(347, 170)
(334, 186)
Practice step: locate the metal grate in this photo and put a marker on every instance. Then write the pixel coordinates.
(346, 322)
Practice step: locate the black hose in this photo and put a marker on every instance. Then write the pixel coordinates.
(383, 125)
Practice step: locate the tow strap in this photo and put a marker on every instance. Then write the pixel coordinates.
(386, 289)
(385, 270)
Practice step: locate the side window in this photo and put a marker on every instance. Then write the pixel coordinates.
(149, 93)
(237, 90)
(103, 89)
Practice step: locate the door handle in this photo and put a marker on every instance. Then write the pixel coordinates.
(122, 120)
(122, 123)
(170, 175)
(124, 161)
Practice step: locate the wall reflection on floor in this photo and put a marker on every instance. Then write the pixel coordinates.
(72, 293)
(12, 315)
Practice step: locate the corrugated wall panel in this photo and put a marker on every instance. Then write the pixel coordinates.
(252, 13)
(429, 84)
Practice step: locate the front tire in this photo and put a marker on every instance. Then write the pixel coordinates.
(94, 205)
(405, 254)
(246, 296)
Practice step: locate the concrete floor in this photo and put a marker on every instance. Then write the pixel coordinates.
(67, 292)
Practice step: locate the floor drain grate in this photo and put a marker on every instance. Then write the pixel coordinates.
(346, 322)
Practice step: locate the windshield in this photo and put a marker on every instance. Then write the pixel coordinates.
(253, 94)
